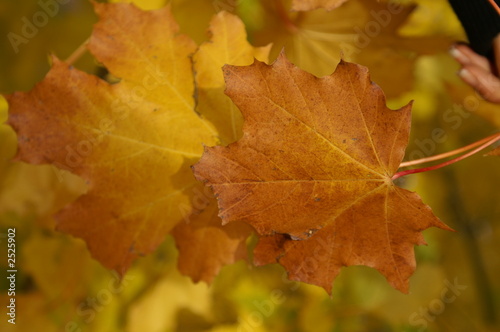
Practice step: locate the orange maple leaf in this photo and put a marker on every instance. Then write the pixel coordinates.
(205, 246)
(315, 164)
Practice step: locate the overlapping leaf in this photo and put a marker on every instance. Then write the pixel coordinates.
(193, 16)
(127, 140)
(204, 244)
(364, 31)
(228, 45)
(315, 164)
(133, 141)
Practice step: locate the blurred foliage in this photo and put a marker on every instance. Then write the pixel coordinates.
(60, 288)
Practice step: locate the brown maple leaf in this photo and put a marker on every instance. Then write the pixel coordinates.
(315, 164)
(205, 246)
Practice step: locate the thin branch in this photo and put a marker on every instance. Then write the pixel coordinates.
(78, 53)
(449, 162)
(448, 154)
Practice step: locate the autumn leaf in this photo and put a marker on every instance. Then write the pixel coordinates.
(315, 164)
(228, 45)
(193, 16)
(306, 5)
(363, 31)
(132, 141)
(153, 296)
(204, 244)
(28, 190)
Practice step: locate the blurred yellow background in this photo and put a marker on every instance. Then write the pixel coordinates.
(61, 288)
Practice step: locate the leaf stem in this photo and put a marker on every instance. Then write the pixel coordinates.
(77, 54)
(489, 140)
(449, 153)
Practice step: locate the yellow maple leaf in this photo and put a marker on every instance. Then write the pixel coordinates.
(228, 45)
(192, 16)
(204, 244)
(361, 31)
(132, 141)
